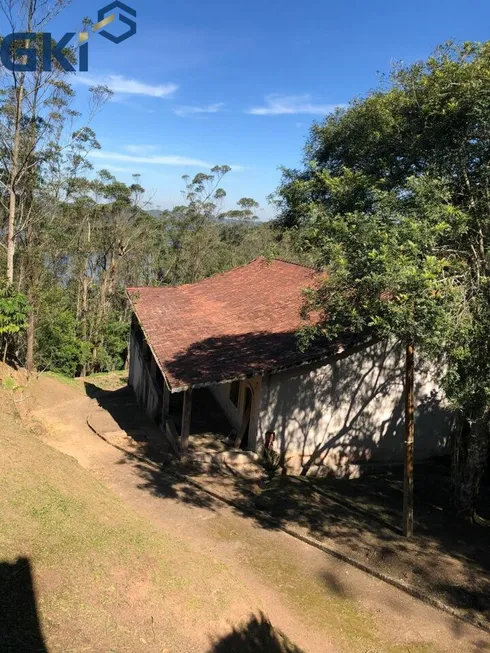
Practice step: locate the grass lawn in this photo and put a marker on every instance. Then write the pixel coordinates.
(103, 579)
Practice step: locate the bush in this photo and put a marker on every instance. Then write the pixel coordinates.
(59, 347)
(14, 309)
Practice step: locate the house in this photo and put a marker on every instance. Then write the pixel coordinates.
(331, 408)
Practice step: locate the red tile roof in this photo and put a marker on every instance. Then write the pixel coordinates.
(236, 324)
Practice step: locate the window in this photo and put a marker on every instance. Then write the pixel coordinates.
(234, 392)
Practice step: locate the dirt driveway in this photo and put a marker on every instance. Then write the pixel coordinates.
(321, 604)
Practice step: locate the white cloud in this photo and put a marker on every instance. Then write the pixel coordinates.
(193, 110)
(120, 84)
(282, 105)
(140, 149)
(154, 159)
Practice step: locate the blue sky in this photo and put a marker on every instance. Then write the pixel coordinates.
(204, 83)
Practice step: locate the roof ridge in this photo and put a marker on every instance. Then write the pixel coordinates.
(193, 283)
(236, 267)
(300, 265)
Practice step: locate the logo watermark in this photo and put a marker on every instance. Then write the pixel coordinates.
(15, 45)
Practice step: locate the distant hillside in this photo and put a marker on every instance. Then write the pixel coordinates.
(157, 213)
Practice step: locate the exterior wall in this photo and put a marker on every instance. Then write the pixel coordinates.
(330, 417)
(140, 379)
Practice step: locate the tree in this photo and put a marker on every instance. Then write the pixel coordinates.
(389, 276)
(22, 94)
(38, 138)
(192, 245)
(430, 122)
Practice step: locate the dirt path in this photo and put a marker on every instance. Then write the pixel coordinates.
(321, 604)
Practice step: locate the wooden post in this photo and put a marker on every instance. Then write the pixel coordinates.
(165, 404)
(409, 442)
(186, 423)
(245, 420)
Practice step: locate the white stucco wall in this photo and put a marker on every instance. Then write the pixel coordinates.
(328, 417)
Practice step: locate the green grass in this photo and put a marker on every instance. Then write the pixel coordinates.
(103, 380)
(105, 577)
(108, 380)
(352, 629)
(9, 384)
(62, 378)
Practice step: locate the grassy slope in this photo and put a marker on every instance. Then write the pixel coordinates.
(107, 581)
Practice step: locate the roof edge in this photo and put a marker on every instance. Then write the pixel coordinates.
(157, 360)
(336, 349)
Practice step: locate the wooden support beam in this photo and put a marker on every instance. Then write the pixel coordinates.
(165, 404)
(244, 425)
(165, 401)
(186, 423)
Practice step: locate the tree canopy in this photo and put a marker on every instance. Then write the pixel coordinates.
(393, 199)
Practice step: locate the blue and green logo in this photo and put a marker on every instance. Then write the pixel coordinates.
(17, 55)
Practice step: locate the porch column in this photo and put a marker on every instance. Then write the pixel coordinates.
(165, 404)
(186, 423)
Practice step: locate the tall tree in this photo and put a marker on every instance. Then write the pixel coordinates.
(37, 134)
(21, 95)
(192, 241)
(430, 120)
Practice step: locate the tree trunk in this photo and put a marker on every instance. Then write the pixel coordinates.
(409, 442)
(14, 170)
(31, 280)
(85, 290)
(470, 458)
(31, 328)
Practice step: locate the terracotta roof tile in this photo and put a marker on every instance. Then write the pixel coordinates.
(239, 323)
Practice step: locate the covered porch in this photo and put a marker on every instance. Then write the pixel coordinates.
(217, 417)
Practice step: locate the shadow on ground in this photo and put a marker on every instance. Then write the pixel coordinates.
(20, 630)
(361, 518)
(256, 636)
(148, 451)
(447, 558)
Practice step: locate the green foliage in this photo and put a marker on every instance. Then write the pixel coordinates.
(115, 336)
(9, 384)
(271, 460)
(393, 200)
(14, 309)
(389, 274)
(59, 347)
(101, 240)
